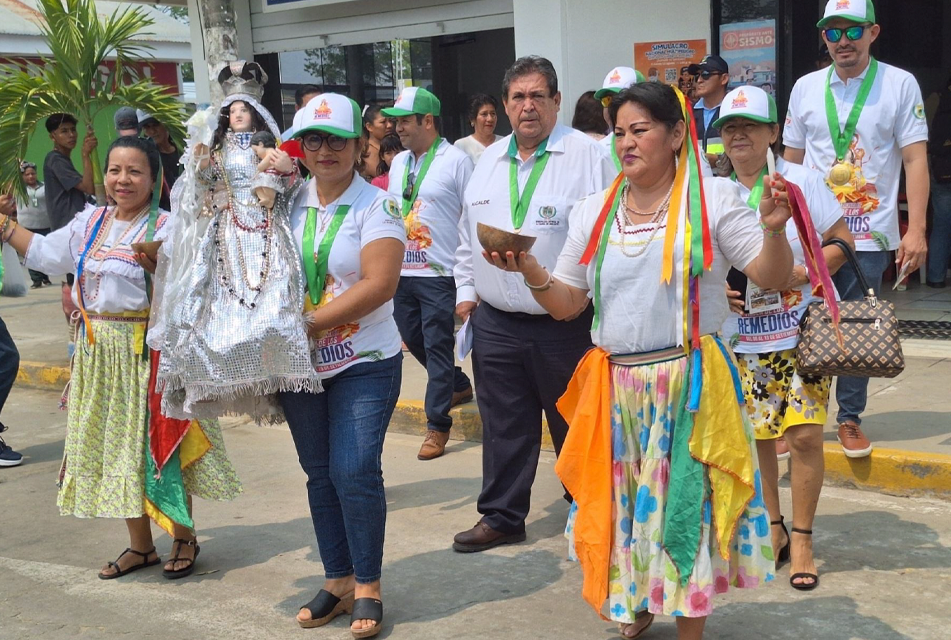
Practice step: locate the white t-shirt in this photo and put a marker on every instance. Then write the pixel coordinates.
(577, 167)
(638, 311)
(432, 225)
(472, 147)
(893, 118)
(373, 215)
(113, 282)
(777, 327)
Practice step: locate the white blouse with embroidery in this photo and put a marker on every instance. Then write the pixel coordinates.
(113, 281)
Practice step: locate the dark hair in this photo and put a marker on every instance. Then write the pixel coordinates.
(657, 98)
(302, 91)
(370, 112)
(478, 101)
(437, 121)
(388, 144)
(527, 65)
(54, 121)
(589, 114)
(224, 122)
(145, 145)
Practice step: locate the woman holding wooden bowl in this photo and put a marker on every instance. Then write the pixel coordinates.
(660, 455)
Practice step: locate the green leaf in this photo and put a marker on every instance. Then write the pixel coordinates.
(881, 240)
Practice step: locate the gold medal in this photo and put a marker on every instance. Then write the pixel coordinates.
(840, 174)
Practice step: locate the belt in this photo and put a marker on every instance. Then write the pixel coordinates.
(648, 357)
(125, 316)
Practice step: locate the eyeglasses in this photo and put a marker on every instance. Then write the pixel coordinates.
(606, 101)
(410, 183)
(852, 33)
(313, 142)
(706, 75)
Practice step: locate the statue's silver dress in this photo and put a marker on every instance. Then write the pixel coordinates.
(236, 333)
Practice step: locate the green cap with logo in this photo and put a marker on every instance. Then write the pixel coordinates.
(333, 114)
(751, 103)
(858, 11)
(414, 100)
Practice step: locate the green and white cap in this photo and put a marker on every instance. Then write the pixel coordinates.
(618, 79)
(333, 114)
(858, 11)
(751, 103)
(414, 100)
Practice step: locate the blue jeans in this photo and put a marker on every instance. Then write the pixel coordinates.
(424, 309)
(852, 393)
(9, 363)
(339, 439)
(939, 243)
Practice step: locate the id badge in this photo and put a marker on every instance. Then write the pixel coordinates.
(762, 301)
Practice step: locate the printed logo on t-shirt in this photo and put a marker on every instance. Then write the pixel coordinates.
(334, 347)
(769, 322)
(390, 209)
(547, 215)
(418, 239)
(858, 197)
(920, 111)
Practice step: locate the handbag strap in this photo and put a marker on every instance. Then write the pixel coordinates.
(854, 262)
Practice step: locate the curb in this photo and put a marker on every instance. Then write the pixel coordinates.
(891, 471)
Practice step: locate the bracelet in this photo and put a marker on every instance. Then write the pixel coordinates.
(770, 233)
(544, 287)
(12, 230)
(3, 226)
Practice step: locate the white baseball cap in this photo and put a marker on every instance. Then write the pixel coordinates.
(330, 113)
(619, 78)
(859, 11)
(751, 103)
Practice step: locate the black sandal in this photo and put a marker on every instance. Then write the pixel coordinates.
(803, 586)
(121, 572)
(325, 607)
(187, 571)
(783, 556)
(367, 609)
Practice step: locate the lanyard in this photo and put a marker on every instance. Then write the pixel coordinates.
(614, 156)
(428, 160)
(842, 139)
(519, 203)
(756, 193)
(315, 264)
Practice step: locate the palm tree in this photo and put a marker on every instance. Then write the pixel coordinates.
(72, 82)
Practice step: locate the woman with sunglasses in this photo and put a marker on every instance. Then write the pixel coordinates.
(352, 240)
(763, 331)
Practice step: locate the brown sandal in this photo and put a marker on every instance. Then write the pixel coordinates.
(638, 616)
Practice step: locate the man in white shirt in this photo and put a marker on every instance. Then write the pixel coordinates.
(522, 358)
(429, 179)
(859, 122)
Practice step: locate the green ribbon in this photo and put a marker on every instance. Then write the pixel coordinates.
(521, 202)
(696, 208)
(428, 160)
(315, 266)
(602, 249)
(614, 156)
(756, 193)
(842, 138)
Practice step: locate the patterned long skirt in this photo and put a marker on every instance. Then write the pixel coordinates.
(644, 411)
(104, 461)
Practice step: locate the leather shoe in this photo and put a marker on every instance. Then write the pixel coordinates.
(460, 397)
(482, 537)
(434, 445)
(853, 441)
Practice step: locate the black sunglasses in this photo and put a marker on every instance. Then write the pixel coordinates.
(410, 183)
(706, 75)
(313, 142)
(852, 33)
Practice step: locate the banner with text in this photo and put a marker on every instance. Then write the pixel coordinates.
(750, 50)
(662, 61)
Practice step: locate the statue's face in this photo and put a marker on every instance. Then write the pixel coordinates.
(239, 117)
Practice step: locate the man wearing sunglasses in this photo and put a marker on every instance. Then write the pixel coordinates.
(712, 76)
(860, 122)
(429, 180)
(619, 78)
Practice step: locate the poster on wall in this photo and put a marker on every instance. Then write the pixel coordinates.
(750, 50)
(662, 61)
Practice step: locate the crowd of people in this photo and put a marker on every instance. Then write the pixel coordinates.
(652, 322)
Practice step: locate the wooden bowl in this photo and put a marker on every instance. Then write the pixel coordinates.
(494, 239)
(150, 249)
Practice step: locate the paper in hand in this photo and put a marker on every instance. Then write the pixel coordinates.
(464, 340)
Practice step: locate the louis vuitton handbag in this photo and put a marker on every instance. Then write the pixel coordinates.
(870, 345)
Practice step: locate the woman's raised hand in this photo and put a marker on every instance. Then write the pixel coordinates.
(774, 210)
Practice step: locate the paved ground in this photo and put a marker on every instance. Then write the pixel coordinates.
(885, 561)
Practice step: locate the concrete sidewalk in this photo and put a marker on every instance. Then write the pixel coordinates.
(885, 562)
(908, 417)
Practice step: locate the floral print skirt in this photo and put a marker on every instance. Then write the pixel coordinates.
(643, 416)
(104, 464)
(778, 396)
